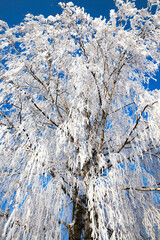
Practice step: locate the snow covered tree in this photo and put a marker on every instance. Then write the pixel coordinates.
(80, 132)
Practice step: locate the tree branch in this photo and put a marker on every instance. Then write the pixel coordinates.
(47, 90)
(134, 127)
(44, 114)
(143, 189)
(8, 120)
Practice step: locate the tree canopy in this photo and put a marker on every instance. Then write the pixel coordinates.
(80, 133)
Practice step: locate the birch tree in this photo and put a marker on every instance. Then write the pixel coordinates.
(80, 132)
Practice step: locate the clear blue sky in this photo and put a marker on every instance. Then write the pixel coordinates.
(13, 11)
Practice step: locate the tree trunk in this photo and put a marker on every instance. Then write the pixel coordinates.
(87, 228)
(75, 232)
(81, 218)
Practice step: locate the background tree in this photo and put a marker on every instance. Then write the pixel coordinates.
(80, 134)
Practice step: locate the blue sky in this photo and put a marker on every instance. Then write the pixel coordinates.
(13, 12)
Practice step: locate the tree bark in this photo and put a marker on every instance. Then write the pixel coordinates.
(87, 228)
(81, 218)
(75, 232)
